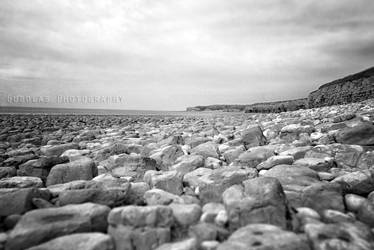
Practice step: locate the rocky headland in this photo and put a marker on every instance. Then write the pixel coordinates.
(352, 88)
(301, 180)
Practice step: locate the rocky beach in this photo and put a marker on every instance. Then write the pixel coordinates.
(301, 180)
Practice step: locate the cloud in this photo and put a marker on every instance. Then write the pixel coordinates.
(171, 54)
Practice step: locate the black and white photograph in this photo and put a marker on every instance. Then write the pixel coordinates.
(186, 125)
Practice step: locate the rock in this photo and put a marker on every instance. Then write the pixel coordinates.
(358, 182)
(186, 214)
(254, 156)
(113, 196)
(353, 202)
(160, 197)
(188, 244)
(39, 226)
(169, 181)
(129, 166)
(213, 163)
(166, 156)
(209, 245)
(316, 164)
(297, 152)
(275, 160)
(11, 220)
(7, 172)
(82, 169)
(232, 154)
(57, 150)
(261, 200)
(365, 213)
(333, 216)
(207, 149)
(302, 188)
(362, 134)
(81, 241)
(253, 136)
(136, 193)
(264, 236)
(345, 236)
(135, 227)
(19, 201)
(75, 154)
(207, 232)
(21, 182)
(188, 163)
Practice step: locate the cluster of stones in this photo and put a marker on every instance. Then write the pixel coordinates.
(291, 180)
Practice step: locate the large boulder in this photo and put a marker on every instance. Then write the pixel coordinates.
(259, 200)
(19, 200)
(82, 169)
(361, 134)
(253, 136)
(41, 225)
(136, 227)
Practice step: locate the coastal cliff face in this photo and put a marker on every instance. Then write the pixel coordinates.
(353, 88)
(275, 107)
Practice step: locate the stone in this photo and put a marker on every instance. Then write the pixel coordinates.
(253, 136)
(21, 182)
(275, 160)
(136, 193)
(353, 202)
(358, 182)
(57, 150)
(186, 214)
(19, 200)
(136, 227)
(169, 181)
(207, 149)
(207, 232)
(188, 244)
(333, 216)
(345, 236)
(365, 213)
(231, 155)
(81, 241)
(264, 236)
(7, 172)
(41, 225)
(362, 134)
(317, 164)
(297, 152)
(188, 163)
(260, 200)
(166, 156)
(160, 197)
(82, 169)
(254, 156)
(213, 163)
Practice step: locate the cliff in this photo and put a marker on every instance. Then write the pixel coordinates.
(353, 88)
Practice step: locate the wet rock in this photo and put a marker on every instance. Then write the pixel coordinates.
(264, 236)
(41, 225)
(81, 241)
(259, 200)
(82, 169)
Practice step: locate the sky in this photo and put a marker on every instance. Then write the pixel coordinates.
(172, 54)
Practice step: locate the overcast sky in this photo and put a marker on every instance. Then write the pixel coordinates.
(170, 54)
